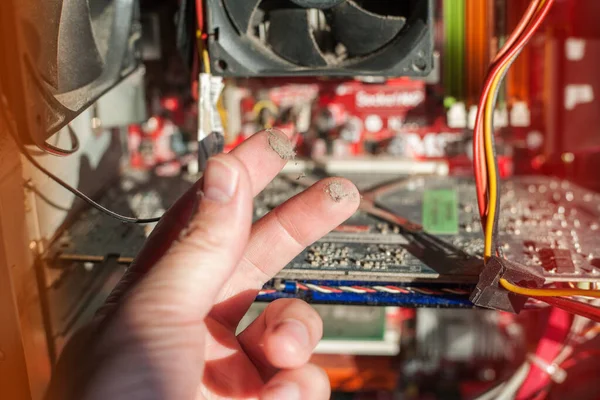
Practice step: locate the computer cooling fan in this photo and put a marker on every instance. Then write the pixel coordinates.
(62, 55)
(320, 37)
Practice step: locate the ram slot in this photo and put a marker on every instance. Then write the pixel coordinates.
(454, 49)
(517, 81)
(478, 39)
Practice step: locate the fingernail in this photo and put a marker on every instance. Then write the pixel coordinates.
(281, 391)
(294, 329)
(220, 181)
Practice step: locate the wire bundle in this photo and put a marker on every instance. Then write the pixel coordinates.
(528, 381)
(486, 167)
(47, 148)
(201, 38)
(57, 151)
(485, 164)
(11, 128)
(557, 351)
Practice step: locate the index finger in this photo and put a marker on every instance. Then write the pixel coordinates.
(264, 155)
(262, 162)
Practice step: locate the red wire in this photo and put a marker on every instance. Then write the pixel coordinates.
(500, 60)
(519, 29)
(522, 34)
(478, 149)
(550, 345)
(480, 176)
(573, 306)
(538, 379)
(196, 65)
(54, 151)
(57, 151)
(200, 15)
(479, 155)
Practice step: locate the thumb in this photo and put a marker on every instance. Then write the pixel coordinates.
(184, 283)
(152, 346)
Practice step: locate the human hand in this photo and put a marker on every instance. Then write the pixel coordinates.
(168, 330)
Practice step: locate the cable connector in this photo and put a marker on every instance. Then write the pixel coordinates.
(489, 294)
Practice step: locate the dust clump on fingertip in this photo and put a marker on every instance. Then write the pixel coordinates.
(338, 192)
(281, 145)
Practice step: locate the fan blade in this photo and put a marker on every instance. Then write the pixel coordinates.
(291, 37)
(78, 59)
(40, 24)
(320, 4)
(241, 12)
(361, 31)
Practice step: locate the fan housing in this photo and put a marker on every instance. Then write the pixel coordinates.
(321, 37)
(67, 53)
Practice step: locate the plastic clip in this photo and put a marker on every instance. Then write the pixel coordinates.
(556, 373)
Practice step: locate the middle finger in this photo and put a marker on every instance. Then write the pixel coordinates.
(281, 235)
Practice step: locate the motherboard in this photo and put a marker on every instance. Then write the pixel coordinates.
(544, 222)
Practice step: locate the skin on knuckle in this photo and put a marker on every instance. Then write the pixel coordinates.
(289, 227)
(257, 275)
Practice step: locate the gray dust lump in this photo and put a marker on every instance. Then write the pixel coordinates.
(281, 145)
(337, 192)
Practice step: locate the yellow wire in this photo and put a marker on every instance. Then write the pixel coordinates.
(268, 104)
(493, 193)
(548, 292)
(488, 129)
(203, 51)
(206, 61)
(491, 168)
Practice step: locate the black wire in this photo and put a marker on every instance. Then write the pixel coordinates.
(62, 183)
(498, 189)
(57, 151)
(498, 185)
(57, 137)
